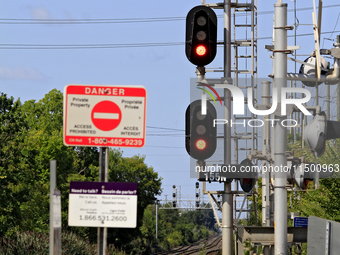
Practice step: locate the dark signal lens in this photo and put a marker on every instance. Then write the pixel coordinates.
(246, 180)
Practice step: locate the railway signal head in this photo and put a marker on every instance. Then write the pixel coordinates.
(303, 173)
(318, 131)
(201, 35)
(174, 204)
(247, 184)
(200, 133)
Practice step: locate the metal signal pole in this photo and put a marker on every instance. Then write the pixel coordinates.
(338, 92)
(227, 198)
(280, 132)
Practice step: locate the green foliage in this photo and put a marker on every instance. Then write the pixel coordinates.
(31, 135)
(149, 185)
(176, 228)
(247, 248)
(38, 243)
(13, 128)
(25, 243)
(73, 244)
(174, 239)
(114, 251)
(47, 114)
(323, 202)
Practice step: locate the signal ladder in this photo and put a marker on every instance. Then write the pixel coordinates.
(244, 76)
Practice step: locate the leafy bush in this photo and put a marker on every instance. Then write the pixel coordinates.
(73, 244)
(27, 243)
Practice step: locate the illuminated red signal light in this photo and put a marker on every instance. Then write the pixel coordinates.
(201, 144)
(201, 35)
(201, 50)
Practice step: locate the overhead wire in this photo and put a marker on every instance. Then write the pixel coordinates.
(112, 46)
(128, 20)
(9, 46)
(164, 129)
(164, 147)
(174, 129)
(83, 46)
(84, 21)
(329, 38)
(11, 21)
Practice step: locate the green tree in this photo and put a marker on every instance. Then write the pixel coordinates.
(176, 227)
(323, 202)
(148, 240)
(44, 142)
(133, 169)
(13, 127)
(174, 239)
(31, 135)
(46, 114)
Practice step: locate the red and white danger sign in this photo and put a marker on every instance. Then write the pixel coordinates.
(106, 115)
(110, 116)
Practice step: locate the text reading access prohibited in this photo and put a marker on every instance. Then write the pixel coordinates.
(110, 116)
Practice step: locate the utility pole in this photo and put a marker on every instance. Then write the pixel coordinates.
(227, 197)
(53, 180)
(157, 218)
(338, 102)
(280, 132)
(55, 212)
(103, 177)
(266, 153)
(338, 91)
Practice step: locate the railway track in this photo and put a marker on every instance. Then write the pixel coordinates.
(210, 246)
(182, 248)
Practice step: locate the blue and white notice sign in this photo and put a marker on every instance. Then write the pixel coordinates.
(300, 221)
(103, 204)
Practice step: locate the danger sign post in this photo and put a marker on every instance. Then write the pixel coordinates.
(107, 116)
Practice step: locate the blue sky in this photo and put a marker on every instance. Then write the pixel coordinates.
(163, 70)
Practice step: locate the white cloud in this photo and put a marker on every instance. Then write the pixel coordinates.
(40, 12)
(20, 73)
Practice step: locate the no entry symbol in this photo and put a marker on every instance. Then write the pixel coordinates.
(106, 115)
